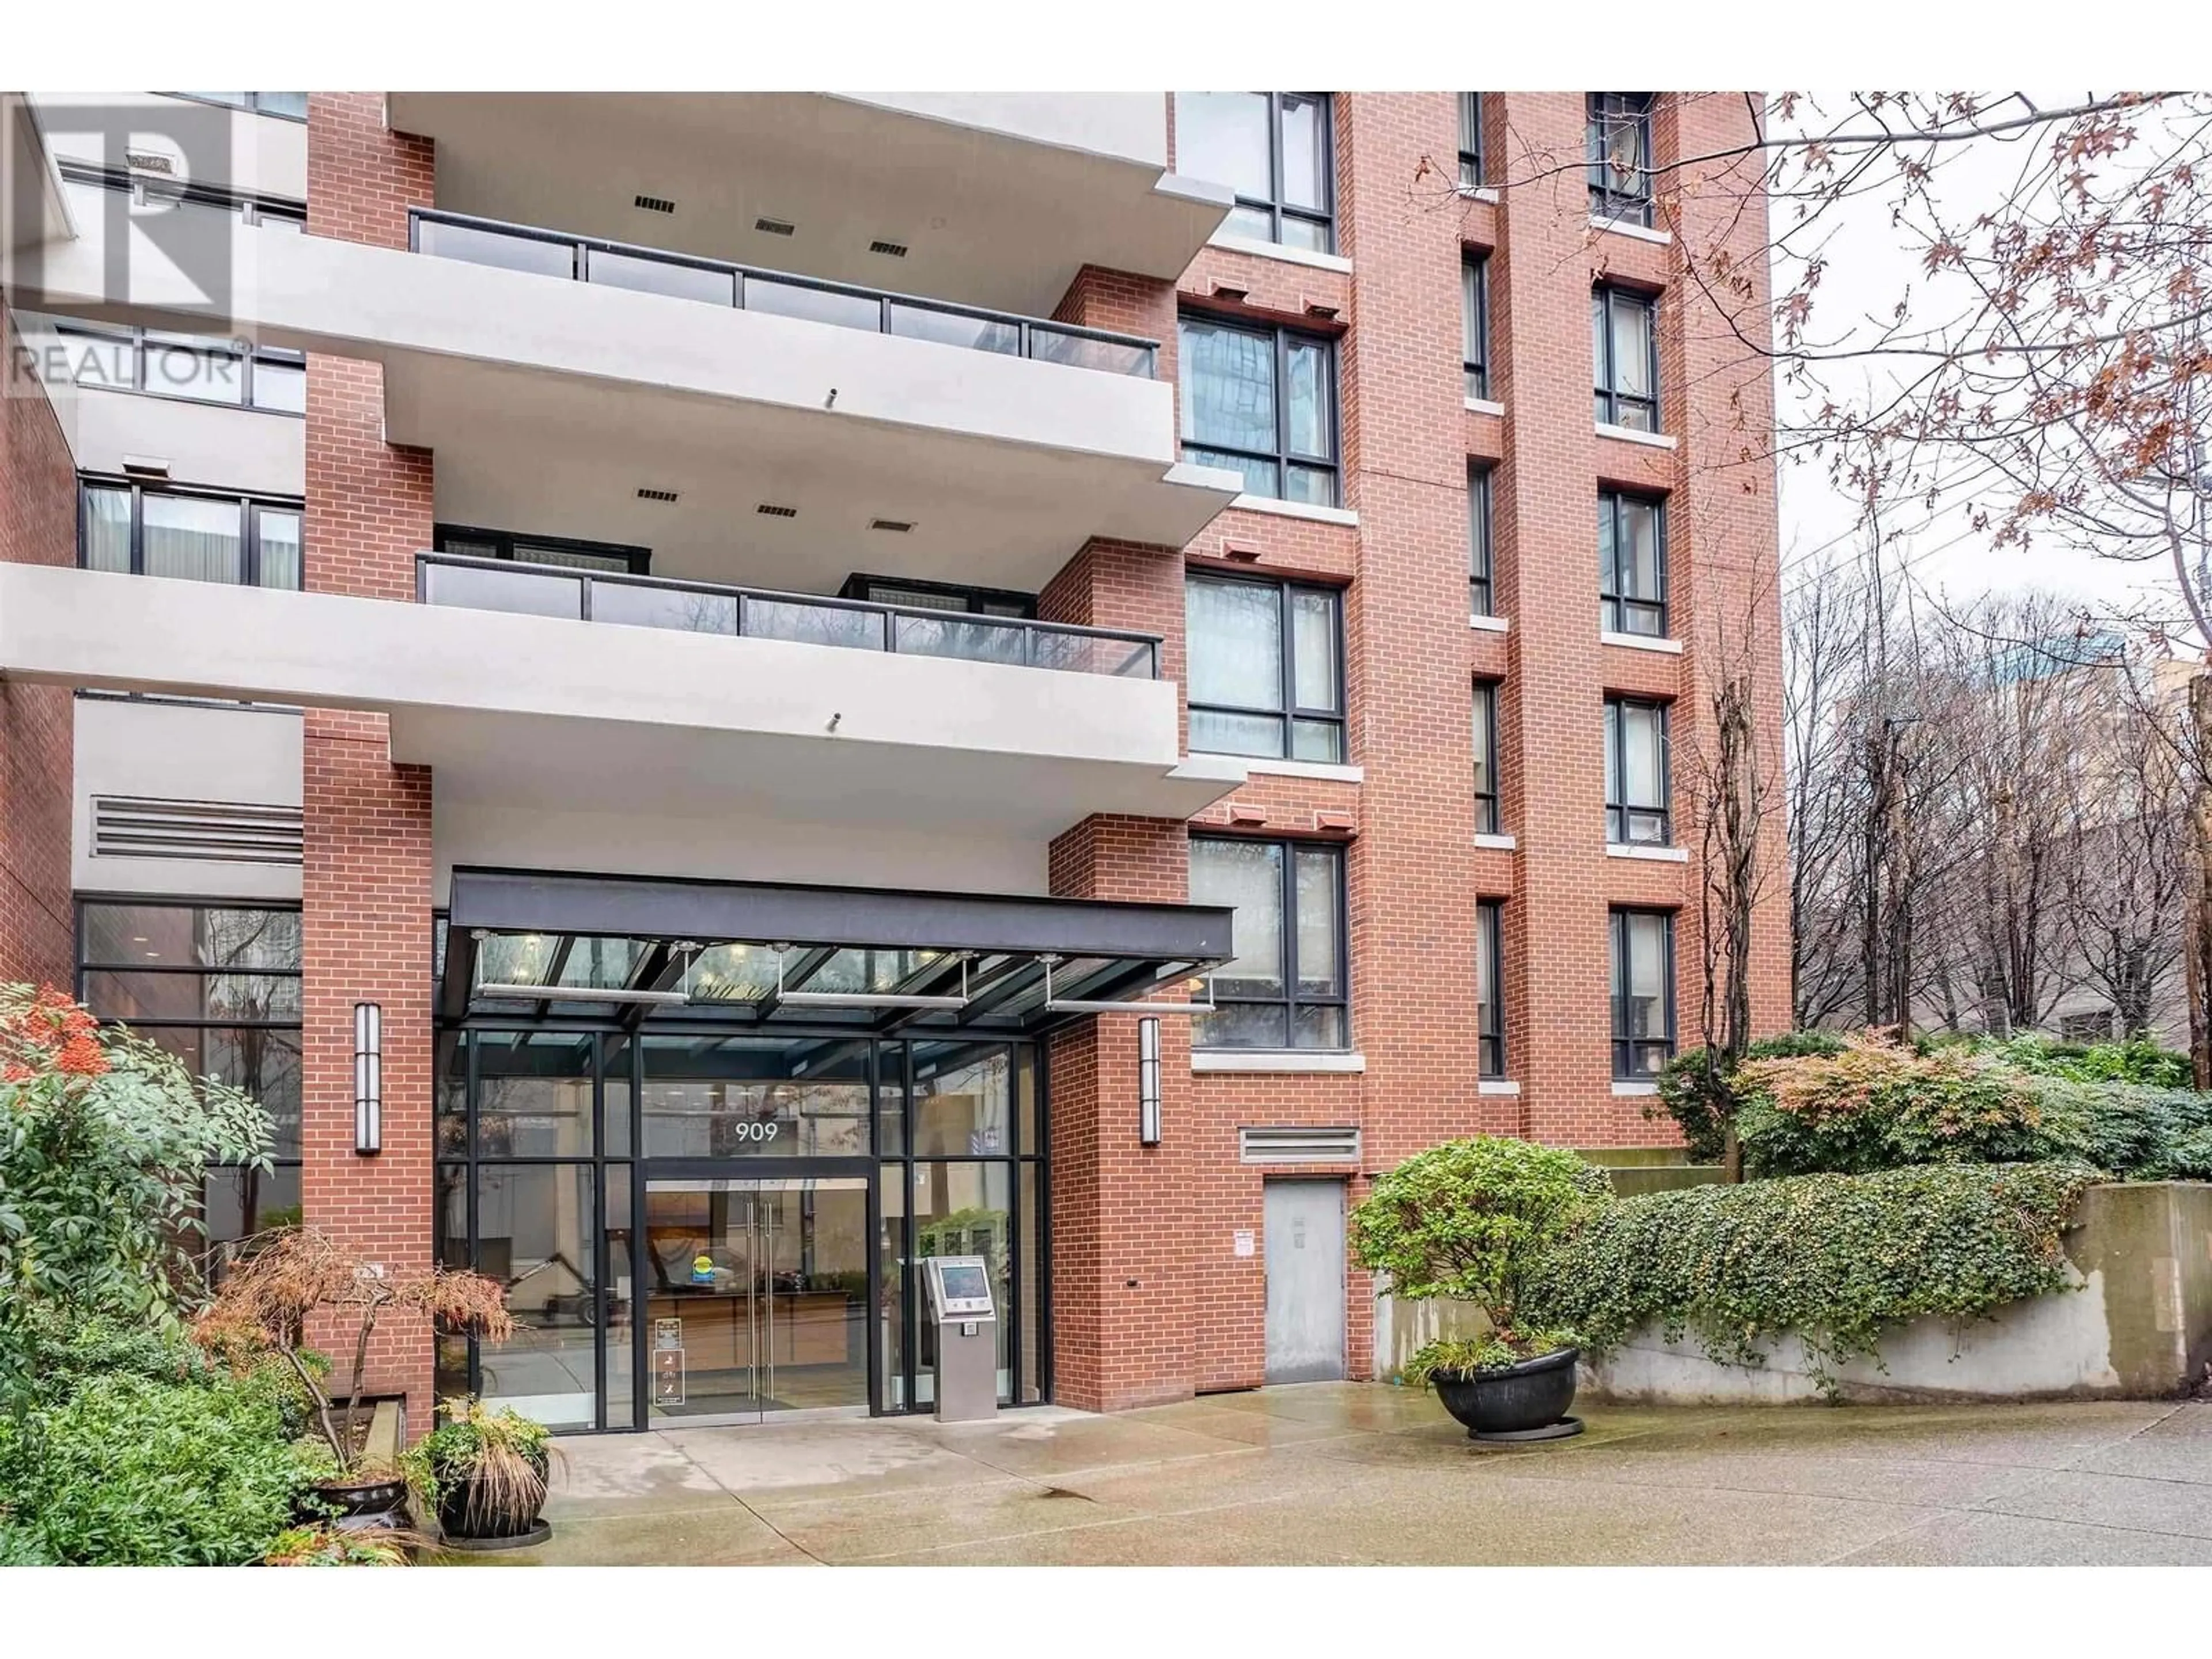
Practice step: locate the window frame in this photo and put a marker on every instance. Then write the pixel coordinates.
(134, 340)
(1603, 113)
(252, 106)
(503, 542)
(1615, 607)
(1276, 208)
(143, 191)
(1291, 1002)
(1475, 322)
(1470, 140)
(1491, 1057)
(1481, 545)
(1283, 457)
(974, 601)
(1292, 711)
(1487, 819)
(250, 506)
(1620, 814)
(1610, 401)
(1624, 1045)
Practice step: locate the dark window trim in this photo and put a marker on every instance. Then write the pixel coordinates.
(1481, 552)
(1624, 1045)
(1615, 607)
(252, 106)
(504, 540)
(1283, 457)
(1470, 140)
(1606, 371)
(250, 507)
(1490, 1000)
(142, 187)
(1275, 209)
(1487, 818)
(1619, 814)
(857, 585)
(1292, 1000)
(1292, 711)
(1475, 295)
(1605, 112)
(134, 338)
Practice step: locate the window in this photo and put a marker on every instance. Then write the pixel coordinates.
(146, 192)
(1266, 669)
(1481, 595)
(1286, 987)
(1475, 322)
(1261, 402)
(1631, 564)
(1486, 757)
(1624, 352)
(1272, 149)
(939, 595)
(199, 368)
(1490, 988)
(612, 558)
(1470, 140)
(189, 534)
(291, 105)
(219, 987)
(1620, 156)
(1636, 784)
(1643, 993)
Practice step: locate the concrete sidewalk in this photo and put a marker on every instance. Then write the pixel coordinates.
(1363, 1472)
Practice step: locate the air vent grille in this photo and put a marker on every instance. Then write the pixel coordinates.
(1298, 1145)
(774, 227)
(895, 250)
(897, 527)
(149, 161)
(656, 205)
(645, 494)
(768, 510)
(231, 832)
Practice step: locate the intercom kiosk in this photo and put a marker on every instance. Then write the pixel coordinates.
(967, 1347)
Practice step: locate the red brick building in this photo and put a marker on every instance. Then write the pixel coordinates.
(746, 628)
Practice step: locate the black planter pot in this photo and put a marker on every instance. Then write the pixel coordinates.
(363, 1505)
(1527, 1401)
(470, 1524)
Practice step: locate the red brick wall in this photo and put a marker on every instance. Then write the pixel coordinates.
(38, 525)
(362, 178)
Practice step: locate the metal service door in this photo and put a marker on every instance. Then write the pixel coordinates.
(1305, 1280)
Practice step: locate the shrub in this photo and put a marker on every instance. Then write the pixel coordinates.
(2136, 1060)
(1469, 1220)
(1836, 1259)
(2137, 1131)
(130, 1470)
(1696, 1096)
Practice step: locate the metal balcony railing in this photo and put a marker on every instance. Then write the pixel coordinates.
(542, 590)
(716, 282)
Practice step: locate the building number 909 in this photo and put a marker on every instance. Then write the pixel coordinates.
(756, 1131)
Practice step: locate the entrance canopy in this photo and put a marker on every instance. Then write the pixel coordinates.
(538, 945)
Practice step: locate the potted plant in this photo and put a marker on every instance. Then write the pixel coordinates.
(287, 1279)
(1466, 1221)
(484, 1473)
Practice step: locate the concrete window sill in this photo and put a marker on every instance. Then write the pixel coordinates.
(1649, 855)
(1290, 768)
(1491, 624)
(1500, 843)
(1635, 1091)
(1641, 643)
(1285, 1061)
(1343, 515)
(1641, 233)
(1497, 1086)
(1485, 406)
(1629, 435)
(1290, 255)
(1477, 193)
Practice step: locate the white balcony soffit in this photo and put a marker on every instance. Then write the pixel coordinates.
(998, 198)
(550, 404)
(516, 710)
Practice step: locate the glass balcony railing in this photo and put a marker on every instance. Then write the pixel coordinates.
(803, 618)
(714, 282)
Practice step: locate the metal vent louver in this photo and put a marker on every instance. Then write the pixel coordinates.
(149, 161)
(656, 205)
(231, 832)
(895, 249)
(645, 494)
(1298, 1145)
(774, 227)
(768, 510)
(897, 527)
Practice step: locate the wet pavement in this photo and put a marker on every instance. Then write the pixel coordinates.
(1366, 1473)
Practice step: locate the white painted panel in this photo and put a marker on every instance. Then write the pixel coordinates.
(243, 449)
(1132, 125)
(233, 150)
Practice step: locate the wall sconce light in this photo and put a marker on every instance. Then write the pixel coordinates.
(1148, 1083)
(367, 1078)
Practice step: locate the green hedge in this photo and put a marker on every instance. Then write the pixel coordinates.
(1833, 1258)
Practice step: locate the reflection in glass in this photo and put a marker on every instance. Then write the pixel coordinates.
(962, 1209)
(276, 540)
(962, 1100)
(525, 592)
(755, 1098)
(107, 529)
(686, 608)
(815, 305)
(897, 1286)
(1222, 138)
(813, 624)
(496, 247)
(534, 1229)
(193, 538)
(667, 276)
(954, 328)
(533, 1095)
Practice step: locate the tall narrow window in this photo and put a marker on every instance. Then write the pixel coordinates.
(1287, 988)
(1631, 564)
(1475, 323)
(1265, 671)
(1624, 354)
(1643, 993)
(1486, 757)
(1261, 402)
(1636, 783)
(1481, 595)
(1274, 149)
(1489, 986)
(1620, 156)
(1470, 140)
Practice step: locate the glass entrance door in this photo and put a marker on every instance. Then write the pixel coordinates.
(758, 1297)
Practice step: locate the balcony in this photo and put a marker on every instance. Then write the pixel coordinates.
(799, 618)
(776, 293)
(994, 199)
